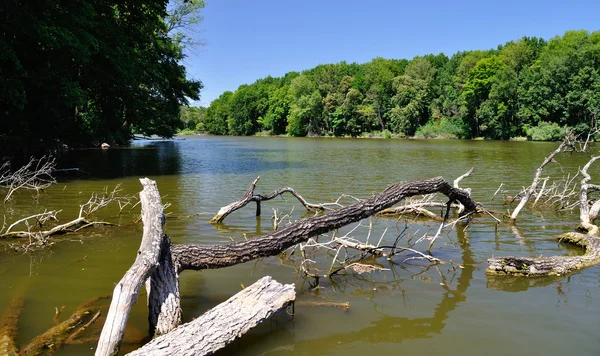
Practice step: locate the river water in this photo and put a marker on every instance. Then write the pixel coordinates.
(410, 307)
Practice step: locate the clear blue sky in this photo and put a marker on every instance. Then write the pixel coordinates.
(250, 39)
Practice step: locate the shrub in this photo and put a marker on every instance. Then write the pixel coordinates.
(442, 128)
(546, 131)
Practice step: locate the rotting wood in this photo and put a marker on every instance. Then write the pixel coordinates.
(559, 265)
(552, 265)
(194, 256)
(225, 322)
(55, 337)
(536, 178)
(147, 260)
(198, 257)
(257, 198)
(8, 327)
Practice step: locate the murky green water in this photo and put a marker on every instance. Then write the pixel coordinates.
(405, 309)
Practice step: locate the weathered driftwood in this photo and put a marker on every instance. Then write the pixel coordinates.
(553, 265)
(587, 215)
(153, 261)
(536, 178)
(198, 257)
(559, 265)
(8, 327)
(417, 210)
(224, 323)
(147, 260)
(251, 197)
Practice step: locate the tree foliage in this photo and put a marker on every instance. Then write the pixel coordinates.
(517, 89)
(81, 72)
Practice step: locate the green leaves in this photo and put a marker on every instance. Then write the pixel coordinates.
(499, 93)
(82, 72)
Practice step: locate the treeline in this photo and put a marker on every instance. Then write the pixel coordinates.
(83, 72)
(529, 87)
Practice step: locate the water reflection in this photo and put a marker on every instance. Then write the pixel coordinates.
(175, 157)
(386, 329)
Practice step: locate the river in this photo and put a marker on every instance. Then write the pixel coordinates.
(410, 308)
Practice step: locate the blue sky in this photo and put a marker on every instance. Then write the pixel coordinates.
(249, 39)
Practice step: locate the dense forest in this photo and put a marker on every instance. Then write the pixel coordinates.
(82, 72)
(528, 87)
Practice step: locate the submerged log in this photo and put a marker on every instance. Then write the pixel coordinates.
(198, 257)
(8, 327)
(66, 331)
(549, 266)
(225, 322)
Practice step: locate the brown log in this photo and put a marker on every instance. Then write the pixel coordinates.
(251, 197)
(55, 337)
(147, 260)
(225, 322)
(559, 265)
(198, 257)
(549, 266)
(8, 327)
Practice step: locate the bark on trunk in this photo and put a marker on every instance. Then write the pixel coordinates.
(147, 260)
(559, 265)
(8, 327)
(197, 257)
(549, 266)
(224, 323)
(164, 302)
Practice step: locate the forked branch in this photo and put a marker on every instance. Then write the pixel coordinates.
(257, 198)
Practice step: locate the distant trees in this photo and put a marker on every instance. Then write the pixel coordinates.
(83, 72)
(524, 87)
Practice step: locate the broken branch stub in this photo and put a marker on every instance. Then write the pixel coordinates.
(251, 197)
(225, 322)
(198, 257)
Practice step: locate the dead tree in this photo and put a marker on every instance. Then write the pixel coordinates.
(35, 175)
(257, 198)
(587, 238)
(153, 254)
(36, 226)
(537, 177)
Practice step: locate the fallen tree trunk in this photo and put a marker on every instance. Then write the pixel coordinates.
(549, 266)
(559, 265)
(198, 257)
(152, 260)
(147, 260)
(225, 322)
(251, 197)
(8, 327)
(55, 337)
